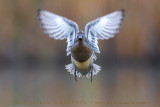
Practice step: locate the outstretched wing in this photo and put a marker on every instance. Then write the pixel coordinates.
(103, 28)
(58, 27)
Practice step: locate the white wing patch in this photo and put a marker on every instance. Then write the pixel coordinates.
(103, 28)
(58, 27)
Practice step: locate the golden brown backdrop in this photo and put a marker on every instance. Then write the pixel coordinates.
(32, 70)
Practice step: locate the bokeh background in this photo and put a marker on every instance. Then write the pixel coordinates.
(32, 72)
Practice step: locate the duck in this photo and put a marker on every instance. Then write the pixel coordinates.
(82, 46)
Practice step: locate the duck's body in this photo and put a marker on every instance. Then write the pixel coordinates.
(81, 56)
(81, 46)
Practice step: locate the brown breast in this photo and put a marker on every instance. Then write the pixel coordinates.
(81, 51)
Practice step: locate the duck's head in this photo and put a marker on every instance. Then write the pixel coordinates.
(80, 35)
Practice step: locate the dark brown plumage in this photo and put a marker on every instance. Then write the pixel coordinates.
(81, 51)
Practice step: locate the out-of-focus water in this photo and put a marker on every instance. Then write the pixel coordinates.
(51, 86)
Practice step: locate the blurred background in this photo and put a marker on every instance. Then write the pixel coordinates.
(32, 72)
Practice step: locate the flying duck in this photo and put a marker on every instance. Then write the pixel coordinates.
(82, 46)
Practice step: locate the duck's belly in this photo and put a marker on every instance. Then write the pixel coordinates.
(82, 65)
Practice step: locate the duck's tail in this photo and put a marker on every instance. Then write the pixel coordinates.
(95, 70)
(71, 69)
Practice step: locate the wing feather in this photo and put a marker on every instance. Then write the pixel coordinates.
(103, 28)
(58, 27)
